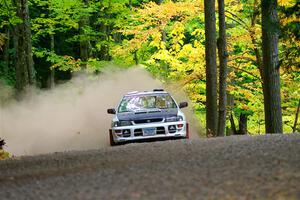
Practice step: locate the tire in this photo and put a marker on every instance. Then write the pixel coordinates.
(111, 139)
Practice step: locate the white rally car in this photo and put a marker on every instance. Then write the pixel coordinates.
(147, 115)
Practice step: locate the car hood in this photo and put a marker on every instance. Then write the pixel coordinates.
(130, 116)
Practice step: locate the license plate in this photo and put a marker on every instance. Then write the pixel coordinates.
(149, 131)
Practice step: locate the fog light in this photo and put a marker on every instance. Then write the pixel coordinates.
(118, 132)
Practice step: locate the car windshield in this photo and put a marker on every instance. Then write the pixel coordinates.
(145, 103)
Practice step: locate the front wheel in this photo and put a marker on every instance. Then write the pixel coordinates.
(111, 139)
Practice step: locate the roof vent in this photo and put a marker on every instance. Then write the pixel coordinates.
(158, 90)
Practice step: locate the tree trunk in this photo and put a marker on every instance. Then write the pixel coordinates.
(52, 71)
(296, 118)
(211, 68)
(6, 52)
(243, 124)
(136, 60)
(163, 32)
(222, 52)
(233, 128)
(84, 41)
(254, 20)
(24, 63)
(271, 74)
(104, 49)
(163, 36)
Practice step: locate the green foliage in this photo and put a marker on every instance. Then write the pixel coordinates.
(95, 65)
(167, 38)
(59, 27)
(7, 14)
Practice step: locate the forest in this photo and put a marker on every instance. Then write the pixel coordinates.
(217, 52)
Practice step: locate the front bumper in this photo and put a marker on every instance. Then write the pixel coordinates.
(162, 130)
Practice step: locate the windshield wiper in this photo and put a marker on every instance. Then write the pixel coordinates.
(140, 111)
(144, 111)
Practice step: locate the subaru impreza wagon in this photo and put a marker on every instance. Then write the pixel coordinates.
(147, 115)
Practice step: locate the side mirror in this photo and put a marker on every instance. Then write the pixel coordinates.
(183, 104)
(111, 111)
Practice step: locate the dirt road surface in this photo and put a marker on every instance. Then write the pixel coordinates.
(235, 167)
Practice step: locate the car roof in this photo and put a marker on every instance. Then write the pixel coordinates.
(137, 93)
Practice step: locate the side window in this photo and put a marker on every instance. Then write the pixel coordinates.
(170, 102)
(123, 105)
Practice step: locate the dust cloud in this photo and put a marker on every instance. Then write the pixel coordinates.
(73, 115)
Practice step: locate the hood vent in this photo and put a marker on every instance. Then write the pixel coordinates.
(145, 121)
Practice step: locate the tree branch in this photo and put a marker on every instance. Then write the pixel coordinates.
(234, 15)
(247, 72)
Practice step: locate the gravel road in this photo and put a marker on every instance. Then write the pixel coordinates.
(235, 167)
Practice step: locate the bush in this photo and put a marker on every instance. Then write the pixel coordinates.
(3, 154)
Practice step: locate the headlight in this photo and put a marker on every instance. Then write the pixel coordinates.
(122, 123)
(174, 119)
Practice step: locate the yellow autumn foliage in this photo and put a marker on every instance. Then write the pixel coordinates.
(181, 56)
(286, 3)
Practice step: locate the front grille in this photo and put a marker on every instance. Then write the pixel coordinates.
(160, 130)
(138, 132)
(144, 121)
